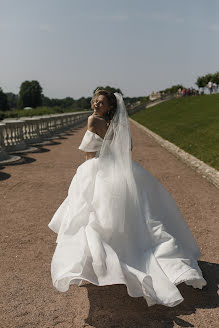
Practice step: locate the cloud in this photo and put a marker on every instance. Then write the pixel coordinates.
(214, 27)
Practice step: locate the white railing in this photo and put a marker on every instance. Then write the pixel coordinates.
(16, 135)
(3, 155)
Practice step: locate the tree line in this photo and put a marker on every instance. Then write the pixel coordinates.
(31, 95)
(202, 81)
(172, 90)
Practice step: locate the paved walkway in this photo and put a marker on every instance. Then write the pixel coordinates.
(29, 195)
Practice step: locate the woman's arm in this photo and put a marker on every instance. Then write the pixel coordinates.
(91, 126)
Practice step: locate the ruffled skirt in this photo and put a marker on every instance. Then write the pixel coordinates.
(154, 254)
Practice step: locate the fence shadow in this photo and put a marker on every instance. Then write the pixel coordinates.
(4, 175)
(111, 306)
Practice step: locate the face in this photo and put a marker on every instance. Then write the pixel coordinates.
(100, 105)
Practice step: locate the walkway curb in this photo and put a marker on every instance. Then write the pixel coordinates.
(200, 167)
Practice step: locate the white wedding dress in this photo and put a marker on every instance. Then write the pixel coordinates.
(155, 252)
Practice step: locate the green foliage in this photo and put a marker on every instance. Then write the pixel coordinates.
(83, 103)
(132, 102)
(110, 89)
(30, 94)
(68, 102)
(192, 123)
(202, 81)
(43, 110)
(215, 78)
(3, 101)
(12, 99)
(173, 89)
(144, 99)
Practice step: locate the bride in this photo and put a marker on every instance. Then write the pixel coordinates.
(118, 224)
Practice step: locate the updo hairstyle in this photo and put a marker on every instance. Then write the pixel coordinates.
(111, 98)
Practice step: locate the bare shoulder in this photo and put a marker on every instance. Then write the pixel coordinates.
(92, 123)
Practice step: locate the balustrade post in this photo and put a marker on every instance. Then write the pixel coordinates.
(14, 138)
(5, 158)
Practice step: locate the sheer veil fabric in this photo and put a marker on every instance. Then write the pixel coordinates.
(119, 225)
(115, 168)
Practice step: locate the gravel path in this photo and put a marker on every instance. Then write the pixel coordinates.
(31, 192)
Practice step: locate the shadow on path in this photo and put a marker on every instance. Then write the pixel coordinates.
(52, 143)
(23, 160)
(43, 150)
(112, 307)
(61, 137)
(4, 176)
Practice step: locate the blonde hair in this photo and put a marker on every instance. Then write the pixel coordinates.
(111, 99)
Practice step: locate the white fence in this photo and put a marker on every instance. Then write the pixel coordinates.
(17, 135)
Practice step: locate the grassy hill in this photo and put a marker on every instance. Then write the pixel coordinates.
(191, 123)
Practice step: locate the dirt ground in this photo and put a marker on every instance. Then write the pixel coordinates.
(31, 192)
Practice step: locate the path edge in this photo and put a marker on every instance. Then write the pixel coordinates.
(196, 164)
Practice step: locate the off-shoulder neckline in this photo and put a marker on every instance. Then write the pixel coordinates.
(95, 134)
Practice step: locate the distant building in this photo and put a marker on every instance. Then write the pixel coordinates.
(154, 95)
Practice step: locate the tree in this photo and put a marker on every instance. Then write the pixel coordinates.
(215, 78)
(82, 103)
(173, 89)
(30, 94)
(110, 89)
(200, 82)
(3, 101)
(12, 99)
(46, 101)
(67, 102)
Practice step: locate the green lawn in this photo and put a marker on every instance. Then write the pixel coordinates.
(192, 123)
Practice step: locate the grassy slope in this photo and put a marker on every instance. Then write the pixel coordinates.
(192, 123)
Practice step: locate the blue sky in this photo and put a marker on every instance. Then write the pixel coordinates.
(139, 46)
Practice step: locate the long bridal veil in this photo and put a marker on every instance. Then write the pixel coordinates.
(115, 172)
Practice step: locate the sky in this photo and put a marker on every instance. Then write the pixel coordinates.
(139, 46)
